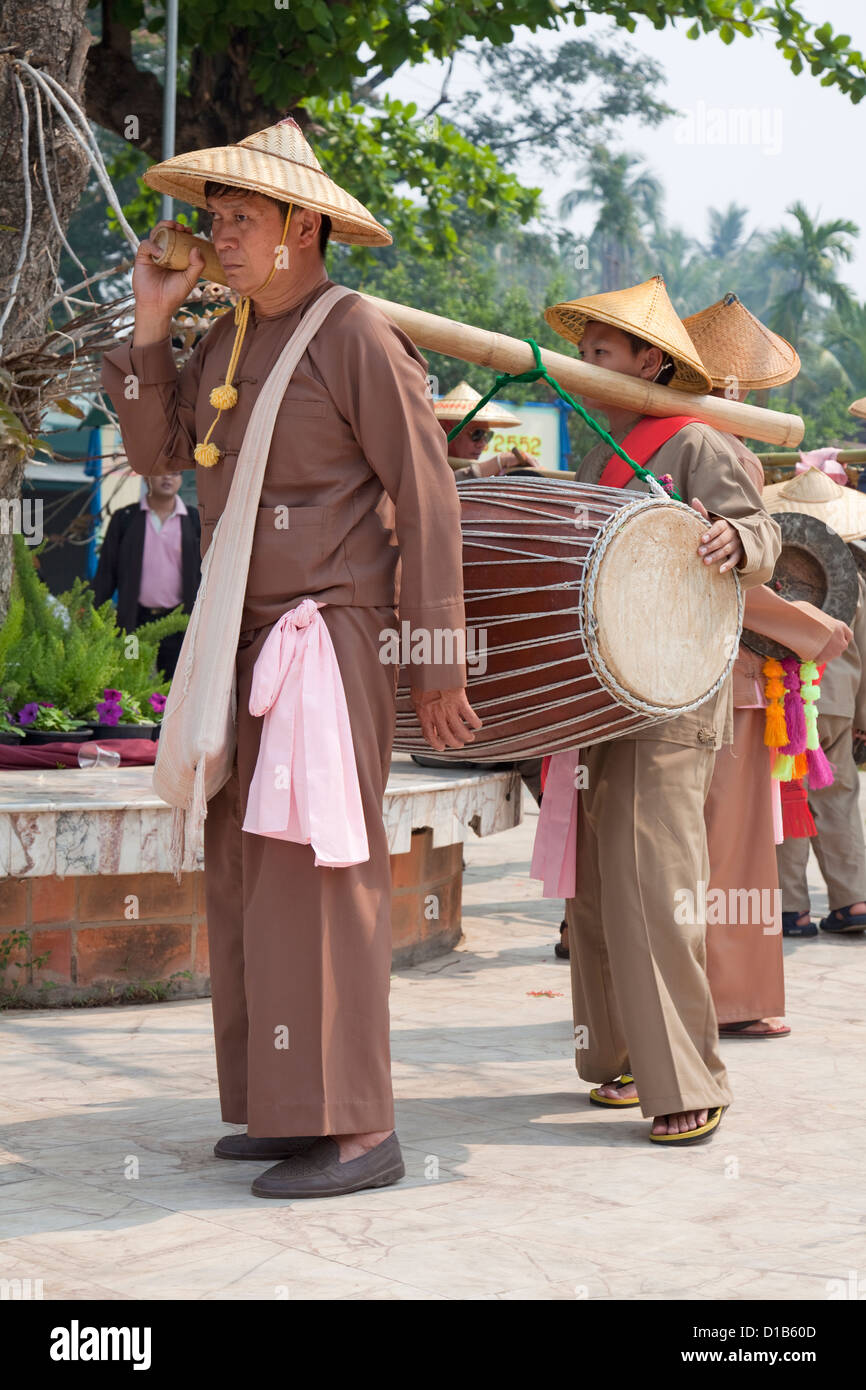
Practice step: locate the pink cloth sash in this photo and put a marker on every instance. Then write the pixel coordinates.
(305, 786)
(554, 855)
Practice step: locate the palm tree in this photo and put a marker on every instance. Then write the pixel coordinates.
(810, 256)
(628, 197)
(845, 336)
(726, 232)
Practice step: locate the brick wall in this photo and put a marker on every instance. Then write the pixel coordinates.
(126, 937)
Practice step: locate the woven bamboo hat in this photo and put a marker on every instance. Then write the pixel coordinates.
(279, 163)
(733, 343)
(461, 400)
(843, 509)
(645, 310)
(858, 408)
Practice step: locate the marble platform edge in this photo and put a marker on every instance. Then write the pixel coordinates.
(118, 825)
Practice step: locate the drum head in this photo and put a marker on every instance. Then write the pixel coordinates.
(816, 565)
(663, 624)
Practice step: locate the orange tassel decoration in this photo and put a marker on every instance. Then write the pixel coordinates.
(775, 730)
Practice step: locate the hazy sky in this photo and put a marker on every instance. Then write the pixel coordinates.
(811, 140)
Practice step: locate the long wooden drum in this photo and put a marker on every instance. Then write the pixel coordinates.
(589, 614)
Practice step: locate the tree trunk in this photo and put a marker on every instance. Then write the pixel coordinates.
(53, 37)
(223, 106)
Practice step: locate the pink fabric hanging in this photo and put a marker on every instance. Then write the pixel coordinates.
(554, 856)
(305, 785)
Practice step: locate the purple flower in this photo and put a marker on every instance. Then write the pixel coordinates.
(157, 702)
(47, 704)
(112, 696)
(28, 713)
(109, 713)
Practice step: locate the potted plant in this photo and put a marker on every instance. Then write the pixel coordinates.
(10, 730)
(43, 722)
(62, 654)
(119, 715)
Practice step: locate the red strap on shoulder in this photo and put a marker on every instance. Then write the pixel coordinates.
(648, 435)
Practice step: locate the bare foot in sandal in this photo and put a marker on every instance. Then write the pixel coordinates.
(614, 1091)
(680, 1124)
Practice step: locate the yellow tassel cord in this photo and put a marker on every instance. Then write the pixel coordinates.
(783, 767)
(775, 730)
(225, 396)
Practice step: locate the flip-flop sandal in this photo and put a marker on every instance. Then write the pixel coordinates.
(560, 949)
(739, 1030)
(791, 927)
(693, 1136)
(624, 1080)
(848, 922)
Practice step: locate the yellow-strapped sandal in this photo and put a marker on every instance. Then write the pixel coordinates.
(624, 1080)
(693, 1136)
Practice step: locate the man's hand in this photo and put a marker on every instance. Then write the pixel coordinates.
(836, 645)
(516, 459)
(160, 293)
(446, 716)
(720, 543)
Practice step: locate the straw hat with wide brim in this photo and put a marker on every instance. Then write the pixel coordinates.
(644, 310)
(858, 408)
(843, 509)
(279, 163)
(461, 400)
(733, 343)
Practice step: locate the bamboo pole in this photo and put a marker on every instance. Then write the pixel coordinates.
(495, 350)
(779, 460)
(503, 354)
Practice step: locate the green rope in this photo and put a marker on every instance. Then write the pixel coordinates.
(540, 373)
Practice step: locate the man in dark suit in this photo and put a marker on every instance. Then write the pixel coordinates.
(151, 556)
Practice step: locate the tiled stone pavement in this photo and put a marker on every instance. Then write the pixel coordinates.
(516, 1188)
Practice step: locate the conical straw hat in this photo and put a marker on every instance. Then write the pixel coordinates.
(279, 163)
(461, 400)
(644, 310)
(733, 343)
(858, 408)
(843, 509)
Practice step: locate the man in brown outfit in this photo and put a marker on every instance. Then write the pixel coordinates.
(642, 1005)
(358, 511)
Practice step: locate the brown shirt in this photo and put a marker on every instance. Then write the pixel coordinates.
(704, 464)
(843, 685)
(358, 503)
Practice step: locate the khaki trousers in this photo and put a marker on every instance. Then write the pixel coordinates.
(838, 844)
(745, 965)
(639, 983)
(300, 957)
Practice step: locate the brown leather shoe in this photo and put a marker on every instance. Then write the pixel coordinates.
(318, 1172)
(245, 1146)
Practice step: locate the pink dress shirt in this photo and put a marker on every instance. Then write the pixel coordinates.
(305, 786)
(161, 573)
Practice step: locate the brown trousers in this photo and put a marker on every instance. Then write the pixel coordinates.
(839, 842)
(638, 975)
(300, 957)
(744, 948)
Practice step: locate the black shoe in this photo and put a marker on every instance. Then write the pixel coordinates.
(791, 928)
(244, 1146)
(560, 950)
(842, 919)
(319, 1172)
